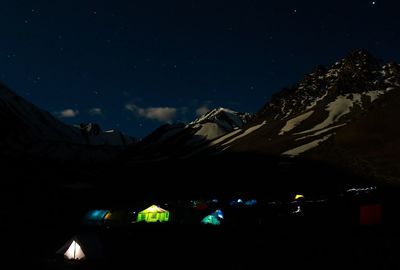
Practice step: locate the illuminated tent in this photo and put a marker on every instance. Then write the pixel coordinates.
(82, 247)
(218, 213)
(211, 219)
(236, 202)
(153, 214)
(250, 202)
(298, 197)
(95, 217)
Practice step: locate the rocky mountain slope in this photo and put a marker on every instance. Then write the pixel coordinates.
(344, 114)
(28, 131)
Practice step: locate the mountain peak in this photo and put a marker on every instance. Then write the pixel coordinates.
(223, 116)
(360, 54)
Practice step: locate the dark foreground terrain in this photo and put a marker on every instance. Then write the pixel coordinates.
(43, 208)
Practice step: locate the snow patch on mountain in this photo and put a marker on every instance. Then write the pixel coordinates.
(294, 122)
(247, 132)
(217, 123)
(209, 131)
(315, 102)
(225, 137)
(94, 135)
(318, 132)
(337, 109)
(306, 147)
(224, 117)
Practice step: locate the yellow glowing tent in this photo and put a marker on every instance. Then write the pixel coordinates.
(153, 214)
(298, 197)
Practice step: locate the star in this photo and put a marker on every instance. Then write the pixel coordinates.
(295, 10)
(373, 3)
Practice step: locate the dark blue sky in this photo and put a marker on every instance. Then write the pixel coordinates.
(133, 65)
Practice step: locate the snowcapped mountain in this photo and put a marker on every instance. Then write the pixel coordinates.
(344, 114)
(30, 131)
(180, 139)
(324, 102)
(94, 135)
(218, 122)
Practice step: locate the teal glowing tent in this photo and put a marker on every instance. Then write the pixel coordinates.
(95, 217)
(211, 219)
(250, 202)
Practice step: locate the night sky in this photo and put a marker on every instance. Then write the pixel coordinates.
(134, 65)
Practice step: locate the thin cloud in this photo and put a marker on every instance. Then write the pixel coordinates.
(162, 114)
(67, 113)
(96, 111)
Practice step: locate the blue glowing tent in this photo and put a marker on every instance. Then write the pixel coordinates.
(218, 214)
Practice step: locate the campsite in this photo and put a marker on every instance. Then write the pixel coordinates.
(236, 233)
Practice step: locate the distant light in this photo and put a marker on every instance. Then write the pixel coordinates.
(373, 2)
(298, 210)
(295, 10)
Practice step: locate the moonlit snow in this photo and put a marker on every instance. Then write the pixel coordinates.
(303, 148)
(294, 122)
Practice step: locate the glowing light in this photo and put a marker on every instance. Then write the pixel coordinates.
(218, 213)
(250, 202)
(298, 196)
(298, 210)
(74, 252)
(153, 214)
(211, 219)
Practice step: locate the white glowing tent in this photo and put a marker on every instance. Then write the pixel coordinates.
(74, 252)
(82, 247)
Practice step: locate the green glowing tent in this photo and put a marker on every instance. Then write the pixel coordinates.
(211, 219)
(153, 214)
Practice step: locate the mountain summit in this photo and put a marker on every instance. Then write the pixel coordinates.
(345, 114)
